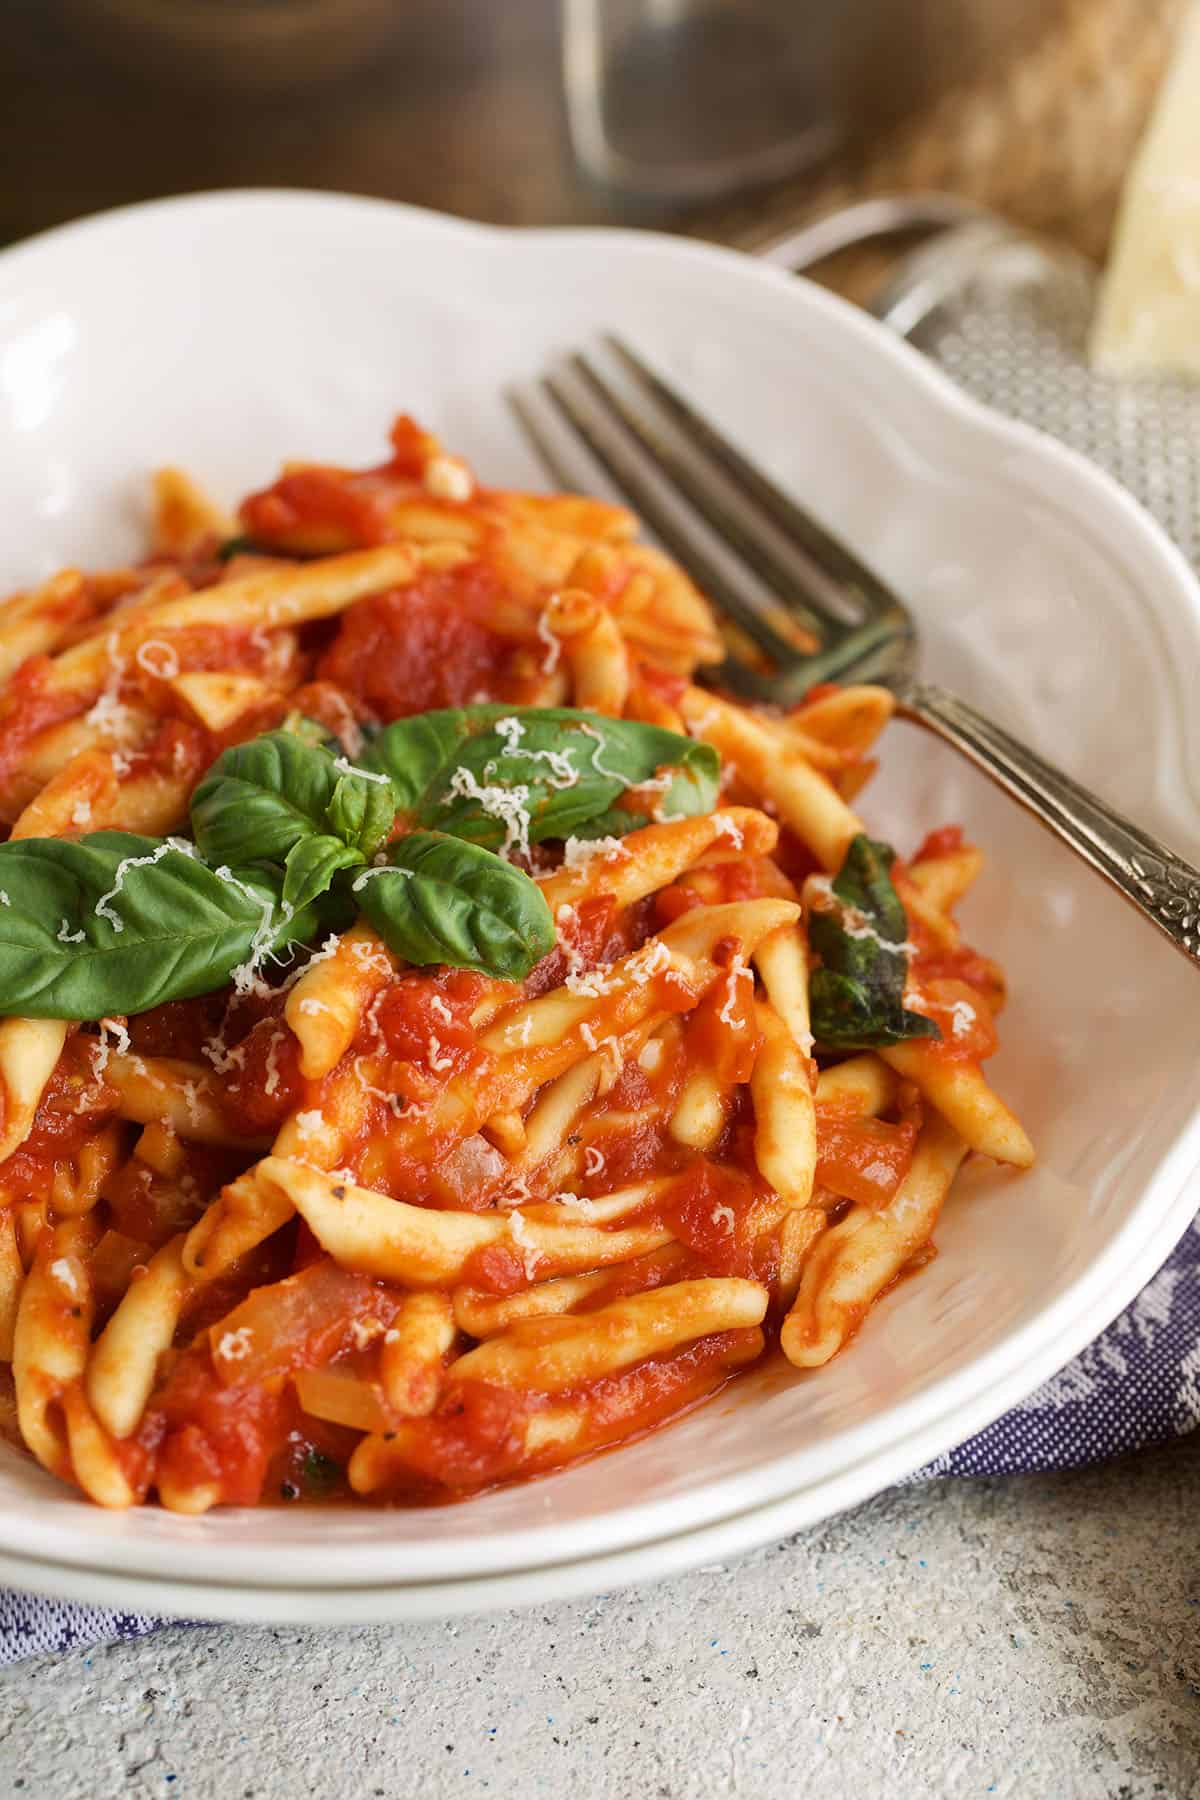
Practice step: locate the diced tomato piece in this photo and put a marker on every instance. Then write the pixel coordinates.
(421, 647)
(942, 842)
(863, 1160)
(267, 1084)
(711, 1210)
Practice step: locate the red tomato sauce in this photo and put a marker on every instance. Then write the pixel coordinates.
(962, 1016)
(863, 1160)
(942, 842)
(75, 1103)
(30, 706)
(204, 1432)
(477, 1435)
(711, 1210)
(429, 1016)
(422, 647)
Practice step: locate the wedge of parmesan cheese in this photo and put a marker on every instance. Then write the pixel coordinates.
(1149, 313)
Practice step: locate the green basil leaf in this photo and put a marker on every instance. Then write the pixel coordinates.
(500, 775)
(117, 923)
(319, 1473)
(260, 798)
(238, 546)
(856, 996)
(362, 812)
(311, 866)
(441, 900)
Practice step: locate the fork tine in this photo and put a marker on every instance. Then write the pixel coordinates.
(566, 470)
(686, 537)
(575, 471)
(795, 580)
(827, 552)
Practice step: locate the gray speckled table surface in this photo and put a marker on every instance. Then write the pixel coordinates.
(1037, 1636)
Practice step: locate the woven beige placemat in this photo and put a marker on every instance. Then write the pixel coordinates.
(1044, 138)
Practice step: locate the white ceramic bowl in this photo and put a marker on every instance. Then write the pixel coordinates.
(229, 331)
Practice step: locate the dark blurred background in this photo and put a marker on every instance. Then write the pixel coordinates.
(723, 116)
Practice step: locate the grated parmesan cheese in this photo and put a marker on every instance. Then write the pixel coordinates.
(588, 1035)
(393, 1102)
(308, 1124)
(108, 715)
(245, 978)
(652, 959)
(81, 814)
(563, 774)
(271, 1084)
(66, 1274)
(579, 852)
(850, 920)
(158, 658)
(725, 827)
(704, 722)
(437, 1061)
(518, 1225)
(550, 638)
(593, 1161)
(520, 1034)
(369, 954)
(66, 936)
(345, 767)
(440, 1010)
(658, 784)
(962, 1018)
(102, 1049)
(234, 1346)
(565, 920)
(609, 774)
(737, 971)
(508, 805)
(364, 1332)
(448, 478)
(102, 908)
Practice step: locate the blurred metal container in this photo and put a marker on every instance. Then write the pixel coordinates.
(461, 104)
(672, 100)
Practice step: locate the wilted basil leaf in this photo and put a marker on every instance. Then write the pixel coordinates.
(856, 996)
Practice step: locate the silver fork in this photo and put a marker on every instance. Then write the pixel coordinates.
(806, 606)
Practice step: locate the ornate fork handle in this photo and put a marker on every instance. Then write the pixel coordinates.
(1160, 884)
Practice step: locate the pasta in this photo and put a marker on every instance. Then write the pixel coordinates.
(439, 1037)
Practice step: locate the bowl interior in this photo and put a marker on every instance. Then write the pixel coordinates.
(227, 333)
